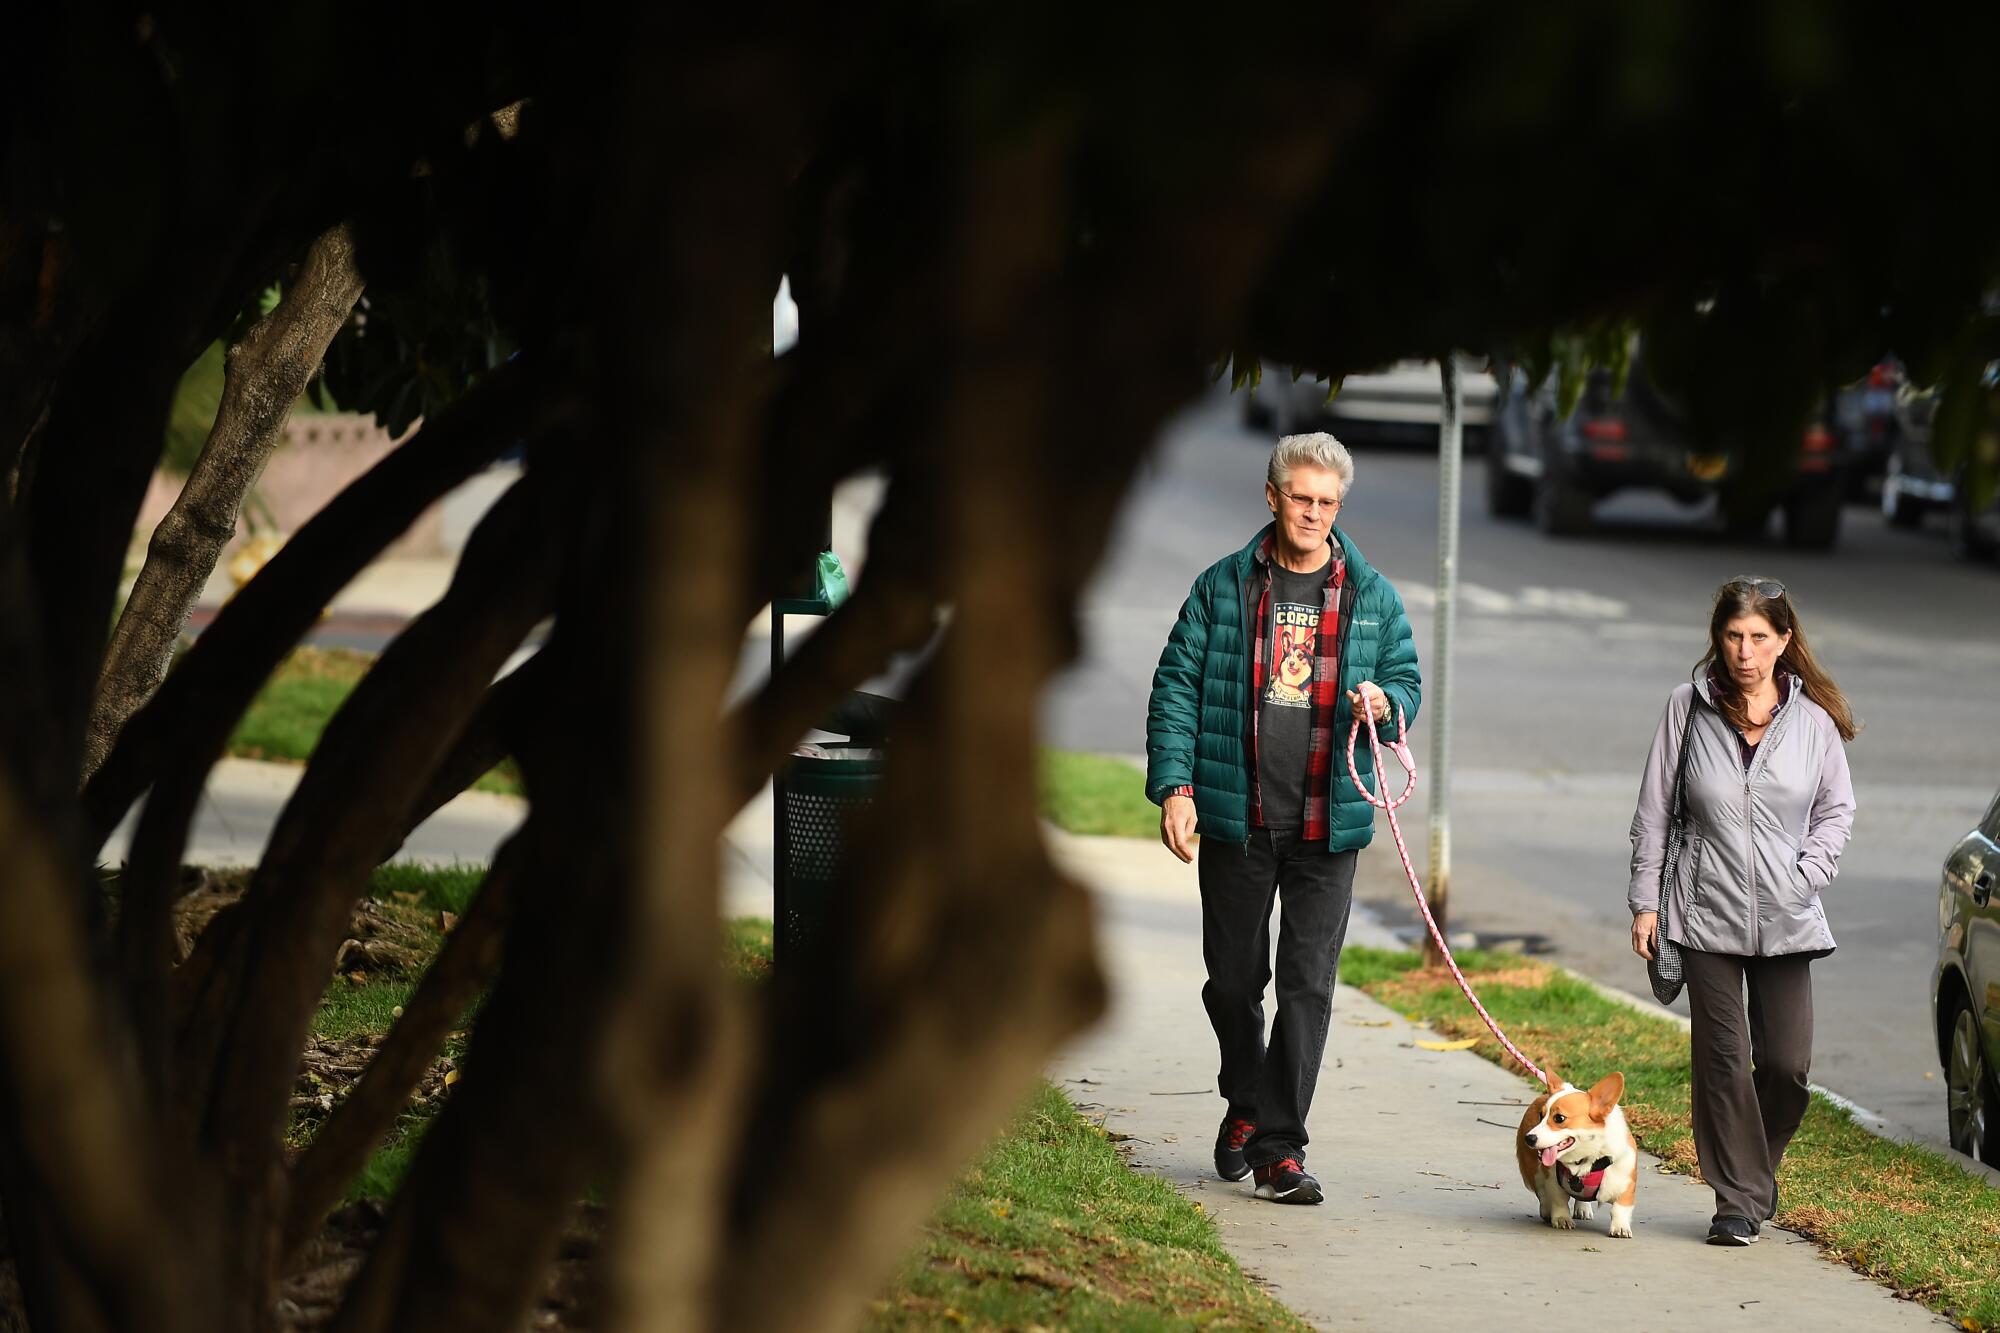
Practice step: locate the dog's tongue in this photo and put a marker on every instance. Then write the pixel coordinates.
(1548, 1157)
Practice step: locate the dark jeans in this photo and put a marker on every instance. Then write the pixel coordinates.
(1272, 1085)
(1750, 1071)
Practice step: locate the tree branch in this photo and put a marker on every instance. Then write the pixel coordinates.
(463, 968)
(77, 1114)
(495, 732)
(191, 714)
(891, 611)
(265, 375)
(256, 1001)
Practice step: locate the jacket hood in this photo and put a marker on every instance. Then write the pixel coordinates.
(1358, 567)
(1707, 693)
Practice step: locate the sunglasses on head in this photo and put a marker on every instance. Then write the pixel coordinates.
(1762, 587)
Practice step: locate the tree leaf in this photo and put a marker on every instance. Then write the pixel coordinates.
(1465, 1045)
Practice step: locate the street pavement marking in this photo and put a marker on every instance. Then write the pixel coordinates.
(1575, 603)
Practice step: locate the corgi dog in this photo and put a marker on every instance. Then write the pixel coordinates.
(1575, 1151)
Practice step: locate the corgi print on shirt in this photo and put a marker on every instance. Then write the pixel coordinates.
(1295, 632)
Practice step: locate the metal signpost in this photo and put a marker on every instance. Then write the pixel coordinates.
(1451, 438)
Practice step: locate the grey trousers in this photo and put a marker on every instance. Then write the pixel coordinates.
(1750, 1071)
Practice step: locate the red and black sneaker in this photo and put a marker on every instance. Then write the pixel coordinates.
(1285, 1181)
(1229, 1140)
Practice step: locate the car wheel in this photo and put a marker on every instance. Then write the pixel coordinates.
(1561, 507)
(1971, 1101)
(1508, 494)
(1898, 510)
(1812, 517)
(1961, 532)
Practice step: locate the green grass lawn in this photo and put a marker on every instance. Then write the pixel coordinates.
(1088, 793)
(1906, 1216)
(285, 720)
(1048, 1228)
(1051, 1229)
(1082, 793)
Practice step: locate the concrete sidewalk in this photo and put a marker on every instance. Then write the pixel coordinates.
(1426, 1218)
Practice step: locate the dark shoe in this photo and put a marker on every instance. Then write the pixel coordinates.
(1287, 1182)
(1732, 1231)
(1229, 1140)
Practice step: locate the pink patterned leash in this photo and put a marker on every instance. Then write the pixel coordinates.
(1388, 806)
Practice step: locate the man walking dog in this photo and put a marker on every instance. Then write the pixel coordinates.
(1277, 646)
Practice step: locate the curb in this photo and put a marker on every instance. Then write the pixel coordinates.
(1871, 1121)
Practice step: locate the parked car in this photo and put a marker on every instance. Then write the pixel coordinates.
(1912, 485)
(1864, 417)
(1401, 402)
(1965, 990)
(1556, 469)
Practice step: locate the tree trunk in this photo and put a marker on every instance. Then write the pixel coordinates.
(265, 375)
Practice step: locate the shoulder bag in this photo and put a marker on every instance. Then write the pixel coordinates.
(1664, 970)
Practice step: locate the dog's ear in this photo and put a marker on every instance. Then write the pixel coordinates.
(1606, 1094)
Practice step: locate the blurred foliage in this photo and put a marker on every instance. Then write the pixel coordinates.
(460, 263)
(196, 402)
(1965, 432)
(1773, 199)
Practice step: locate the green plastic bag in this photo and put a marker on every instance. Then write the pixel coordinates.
(830, 580)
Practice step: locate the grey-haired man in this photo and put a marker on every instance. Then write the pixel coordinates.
(1277, 646)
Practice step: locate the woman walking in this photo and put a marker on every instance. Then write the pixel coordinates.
(1768, 806)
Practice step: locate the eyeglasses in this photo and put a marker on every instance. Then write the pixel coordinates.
(1310, 503)
(1770, 588)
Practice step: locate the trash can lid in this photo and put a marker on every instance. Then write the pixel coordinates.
(831, 769)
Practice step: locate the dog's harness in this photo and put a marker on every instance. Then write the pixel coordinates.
(1586, 1185)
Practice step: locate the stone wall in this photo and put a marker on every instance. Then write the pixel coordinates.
(320, 455)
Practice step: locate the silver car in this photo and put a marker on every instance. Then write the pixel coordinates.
(1965, 989)
(1401, 401)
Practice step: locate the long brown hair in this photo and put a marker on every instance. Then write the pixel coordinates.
(1746, 596)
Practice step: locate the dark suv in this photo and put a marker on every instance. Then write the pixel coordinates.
(1556, 470)
(1965, 989)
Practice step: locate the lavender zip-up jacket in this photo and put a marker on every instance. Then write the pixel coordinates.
(1761, 842)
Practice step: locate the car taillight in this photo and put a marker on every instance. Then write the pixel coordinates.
(1818, 439)
(1604, 428)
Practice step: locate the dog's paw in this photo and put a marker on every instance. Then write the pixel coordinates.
(1562, 1222)
(1585, 1211)
(1622, 1230)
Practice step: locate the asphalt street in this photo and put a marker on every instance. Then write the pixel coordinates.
(1566, 650)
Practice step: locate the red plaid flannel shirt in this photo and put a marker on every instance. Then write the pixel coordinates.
(1326, 696)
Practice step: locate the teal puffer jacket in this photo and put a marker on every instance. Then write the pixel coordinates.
(1198, 718)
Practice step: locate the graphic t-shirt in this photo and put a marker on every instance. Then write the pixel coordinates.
(1284, 716)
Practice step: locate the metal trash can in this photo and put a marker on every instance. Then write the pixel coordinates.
(818, 792)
